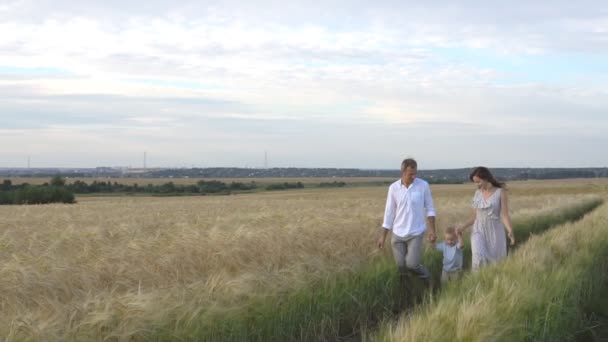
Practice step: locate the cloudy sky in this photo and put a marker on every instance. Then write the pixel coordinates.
(315, 84)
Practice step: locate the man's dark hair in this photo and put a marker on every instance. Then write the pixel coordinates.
(409, 162)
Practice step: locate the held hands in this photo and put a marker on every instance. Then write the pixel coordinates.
(459, 229)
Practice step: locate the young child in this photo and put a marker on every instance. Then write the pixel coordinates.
(451, 248)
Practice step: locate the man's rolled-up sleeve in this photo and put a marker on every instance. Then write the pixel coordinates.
(389, 211)
(428, 202)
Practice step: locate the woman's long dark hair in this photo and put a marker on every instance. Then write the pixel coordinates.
(485, 174)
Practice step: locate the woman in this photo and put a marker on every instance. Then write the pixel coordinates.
(490, 219)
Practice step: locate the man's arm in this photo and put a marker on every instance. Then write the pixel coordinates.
(432, 235)
(389, 218)
(430, 214)
(382, 238)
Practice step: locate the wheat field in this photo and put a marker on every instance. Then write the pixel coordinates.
(540, 293)
(112, 268)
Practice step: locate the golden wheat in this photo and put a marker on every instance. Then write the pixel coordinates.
(111, 267)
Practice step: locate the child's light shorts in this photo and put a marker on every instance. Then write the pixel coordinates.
(447, 276)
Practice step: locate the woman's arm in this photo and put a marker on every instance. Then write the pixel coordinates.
(505, 216)
(461, 227)
(460, 241)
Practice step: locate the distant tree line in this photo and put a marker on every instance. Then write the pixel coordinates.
(202, 187)
(285, 186)
(58, 191)
(55, 192)
(333, 184)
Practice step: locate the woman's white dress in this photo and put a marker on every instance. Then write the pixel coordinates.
(488, 237)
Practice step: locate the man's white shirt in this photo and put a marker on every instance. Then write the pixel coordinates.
(405, 208)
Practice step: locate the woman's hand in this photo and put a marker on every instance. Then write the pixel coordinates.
(511, 238)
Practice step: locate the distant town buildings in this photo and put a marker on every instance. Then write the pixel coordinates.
(434, 176)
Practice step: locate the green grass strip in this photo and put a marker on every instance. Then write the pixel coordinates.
(542, 293)
(341, 306)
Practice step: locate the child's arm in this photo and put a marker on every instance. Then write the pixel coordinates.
(460, 241)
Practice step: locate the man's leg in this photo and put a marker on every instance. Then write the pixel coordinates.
(399, 252)
(399, 246)
(414, 257)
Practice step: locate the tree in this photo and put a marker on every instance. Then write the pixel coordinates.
(57, 181)
(7, 185)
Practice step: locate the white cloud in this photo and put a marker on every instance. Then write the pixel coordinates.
(230, 79)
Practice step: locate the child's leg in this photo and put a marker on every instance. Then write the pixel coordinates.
(454, 275)
(444, 277)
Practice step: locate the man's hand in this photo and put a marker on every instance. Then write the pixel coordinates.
(432, 237)
(381, 242)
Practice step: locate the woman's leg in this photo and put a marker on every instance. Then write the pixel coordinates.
(477, 251)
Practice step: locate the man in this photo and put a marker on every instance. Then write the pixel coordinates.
(405, 215)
